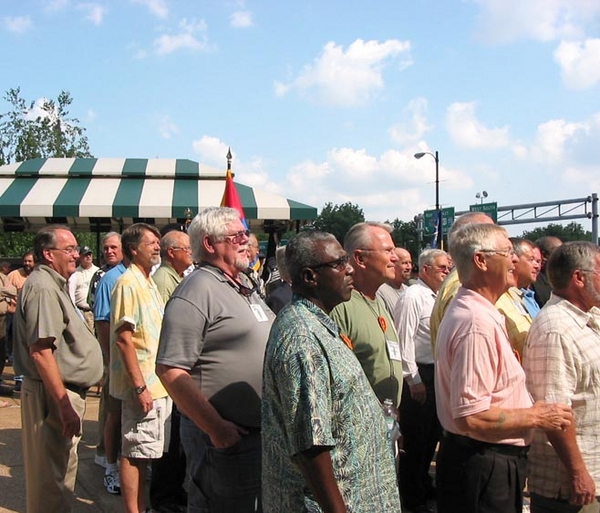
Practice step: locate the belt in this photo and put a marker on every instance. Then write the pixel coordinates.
(80, 391)
(85, 309)
(478, 445)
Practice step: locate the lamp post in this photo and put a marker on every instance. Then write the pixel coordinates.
(439, 241)
(481, 196)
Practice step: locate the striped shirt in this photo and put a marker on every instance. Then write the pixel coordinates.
(562, 363)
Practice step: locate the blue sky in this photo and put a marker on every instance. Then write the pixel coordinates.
(329, 101)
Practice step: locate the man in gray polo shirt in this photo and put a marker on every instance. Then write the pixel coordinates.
(210, 356)
(59, 359)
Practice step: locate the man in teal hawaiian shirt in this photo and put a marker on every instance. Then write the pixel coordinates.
(325, 441)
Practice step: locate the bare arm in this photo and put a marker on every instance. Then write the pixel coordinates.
(565, 445)
(194, 405)
(126, 348)
(41, 353)
(498, 423)
(315, 465)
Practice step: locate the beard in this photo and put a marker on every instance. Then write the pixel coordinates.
(241, 263)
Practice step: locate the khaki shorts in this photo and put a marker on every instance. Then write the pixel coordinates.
(144, 435)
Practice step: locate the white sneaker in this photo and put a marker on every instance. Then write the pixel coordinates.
(100, 460)
(112, 483)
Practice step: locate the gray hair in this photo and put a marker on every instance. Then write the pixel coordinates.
(467, 241)
(428, 256)
(521, 245)
(359, 236)
(45, 239)
(168, 241)
(568, 258)
(300, 251)
(109, 235)
(281, 263)
(211, 222)
(132, 236)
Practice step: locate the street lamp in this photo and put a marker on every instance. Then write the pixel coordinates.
(437, 193)
(481, 195)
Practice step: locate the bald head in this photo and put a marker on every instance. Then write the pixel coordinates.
(402, 268)
(467, 219)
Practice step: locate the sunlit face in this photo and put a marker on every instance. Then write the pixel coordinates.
(63, 256)
(434, 274)
(231, 250)
(147, 253)
(403, 267)
(252, 247)
(501, 264)
(528, 266)
(379, 257)
(180, 255)
(113, 253)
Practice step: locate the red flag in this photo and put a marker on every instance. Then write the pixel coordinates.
(231, 197)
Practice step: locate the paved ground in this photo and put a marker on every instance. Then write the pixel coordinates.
(91, 495)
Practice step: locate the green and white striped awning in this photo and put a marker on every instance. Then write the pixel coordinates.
(102, 194)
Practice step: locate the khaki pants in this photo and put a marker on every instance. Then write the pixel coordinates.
(50, 459)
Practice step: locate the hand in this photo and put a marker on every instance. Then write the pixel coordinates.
(229, 434)
(418, 393)
(584, 489)
(552, 416)
(71, 423)
(145, 400)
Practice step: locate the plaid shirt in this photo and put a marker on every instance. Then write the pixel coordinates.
(562, 363)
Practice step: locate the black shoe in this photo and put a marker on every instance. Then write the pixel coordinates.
(6, 391)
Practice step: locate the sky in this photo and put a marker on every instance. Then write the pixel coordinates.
(328, 101)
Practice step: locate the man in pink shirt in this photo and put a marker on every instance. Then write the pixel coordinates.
(482, 403)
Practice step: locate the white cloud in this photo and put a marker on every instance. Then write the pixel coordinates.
(241, 19)
(505, 21)
(56, 5)
(579, 63)
(467, 131)
(94, 12)
(553, 137)
(192, 35)
(412, 130)
(157, 7)
(350, 77)
(212, 151)
(356, 164)
(167, 128)
(17, 24)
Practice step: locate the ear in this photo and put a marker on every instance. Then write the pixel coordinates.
(309, 276)
(358, 258)
(207, 244)
(479, 261)
(578, 279)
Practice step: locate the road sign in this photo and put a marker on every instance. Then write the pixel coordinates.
(489, 209)
(429, 221)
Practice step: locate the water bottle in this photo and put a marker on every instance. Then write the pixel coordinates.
(391, 418)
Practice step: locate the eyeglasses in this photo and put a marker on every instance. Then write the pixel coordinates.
(386, 251)
(187, 249)
(339, 264)
(236, 238)
(71, 250)
(442, 268)
(506, 253)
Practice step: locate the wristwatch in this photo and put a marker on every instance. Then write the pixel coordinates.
(139, 390)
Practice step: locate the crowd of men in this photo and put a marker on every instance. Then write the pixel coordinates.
(242, 396)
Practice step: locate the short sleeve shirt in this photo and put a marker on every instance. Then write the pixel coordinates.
(316, 395)
(219, 335)
(104, 291)
(136, 301)
(475, 364)
(45, 310)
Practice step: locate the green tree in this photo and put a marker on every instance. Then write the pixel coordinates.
(569, 232)
(40, 129)
(338, 219)
(406, 236)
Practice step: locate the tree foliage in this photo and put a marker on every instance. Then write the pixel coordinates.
(570, 232)
(40, 129)
(338, 219)
(406, 236)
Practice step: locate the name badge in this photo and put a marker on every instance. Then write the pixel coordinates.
(393, 350)
(259, 313)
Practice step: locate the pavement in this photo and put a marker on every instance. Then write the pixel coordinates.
(91, 496)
